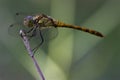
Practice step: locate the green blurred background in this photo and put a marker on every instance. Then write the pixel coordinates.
(72, 55)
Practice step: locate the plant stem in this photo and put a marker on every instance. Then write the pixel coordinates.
(30, 52)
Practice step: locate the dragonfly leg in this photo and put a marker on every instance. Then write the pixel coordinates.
(42, 40)
(32, 31)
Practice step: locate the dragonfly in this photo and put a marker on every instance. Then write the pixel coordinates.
(42, 21)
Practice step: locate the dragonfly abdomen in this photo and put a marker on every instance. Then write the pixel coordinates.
(61, 24)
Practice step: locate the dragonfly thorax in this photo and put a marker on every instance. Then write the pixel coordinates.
(38, 21)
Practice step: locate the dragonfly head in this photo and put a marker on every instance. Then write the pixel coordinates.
(28, 21)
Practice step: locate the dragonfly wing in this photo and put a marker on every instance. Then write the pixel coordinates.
(49, 33)
(42, 38)
(15, 28)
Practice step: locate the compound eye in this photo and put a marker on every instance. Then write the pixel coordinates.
(28, 21)
(29, 17)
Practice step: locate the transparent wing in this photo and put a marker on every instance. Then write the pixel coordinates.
(14, 29)
(42, 37)
(49, 33)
